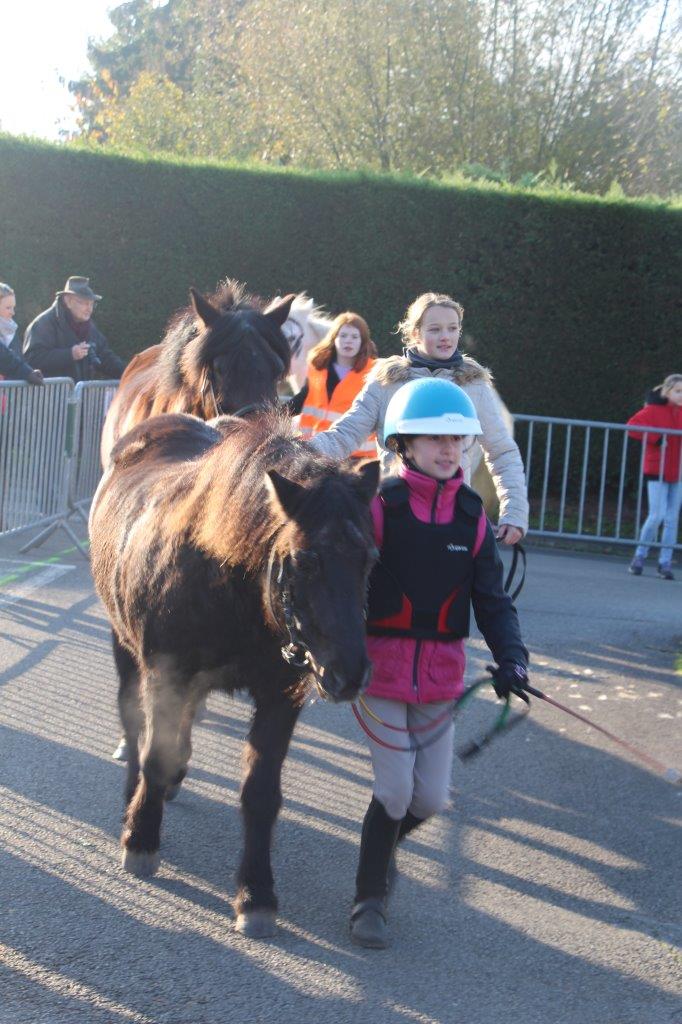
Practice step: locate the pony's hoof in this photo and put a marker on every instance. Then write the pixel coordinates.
(257, 924)
(121, 752)
(140, 863)
(172, 791)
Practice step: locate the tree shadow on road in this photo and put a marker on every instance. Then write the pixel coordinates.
(84, 627)
(517, 899)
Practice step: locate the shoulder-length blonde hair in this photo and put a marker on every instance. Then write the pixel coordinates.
(414, 315)
(669, 383)
(324, 353)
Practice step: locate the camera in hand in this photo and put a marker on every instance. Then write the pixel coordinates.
(92, 357)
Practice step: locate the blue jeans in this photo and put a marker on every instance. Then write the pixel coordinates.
(664, 507)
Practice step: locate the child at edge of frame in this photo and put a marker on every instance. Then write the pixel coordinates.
(438, 559)
(662, 470)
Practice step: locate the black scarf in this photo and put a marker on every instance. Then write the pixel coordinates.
(415, 358)
(81, 328)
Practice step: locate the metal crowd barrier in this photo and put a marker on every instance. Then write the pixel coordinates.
(34, 426)
(49, 454)
(92, 399)
(585, 478)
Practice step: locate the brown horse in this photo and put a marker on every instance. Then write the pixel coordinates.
(222, 355)
(227, 557)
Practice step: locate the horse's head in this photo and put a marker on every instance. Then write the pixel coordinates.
(305, 325)
(239, 356)
(325, 552)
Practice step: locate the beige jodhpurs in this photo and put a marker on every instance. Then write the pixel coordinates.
(415, 781)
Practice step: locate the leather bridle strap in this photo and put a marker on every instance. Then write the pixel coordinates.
(517, 550)
(208, 389)
(246, 409)
(296, 652)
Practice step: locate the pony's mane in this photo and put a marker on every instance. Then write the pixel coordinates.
(309, 311)
(183, 327)
(240, 508)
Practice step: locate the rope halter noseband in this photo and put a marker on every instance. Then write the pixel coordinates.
(207, 389)
(296, 653)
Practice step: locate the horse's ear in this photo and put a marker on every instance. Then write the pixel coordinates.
(369, 473)
(287, 493)
(279, 312)
(207, 313)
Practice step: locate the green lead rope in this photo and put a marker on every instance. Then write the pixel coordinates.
(502, 723)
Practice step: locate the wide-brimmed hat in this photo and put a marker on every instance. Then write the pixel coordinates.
(79, 286)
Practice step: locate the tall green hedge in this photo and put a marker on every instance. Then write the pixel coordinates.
(574, 302)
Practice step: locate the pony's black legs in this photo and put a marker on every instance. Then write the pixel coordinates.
(188, 715)
(160, 766)
(130, 711)
(261, 798)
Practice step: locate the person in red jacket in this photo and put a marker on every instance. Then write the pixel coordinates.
(662, 471)
(438, 559)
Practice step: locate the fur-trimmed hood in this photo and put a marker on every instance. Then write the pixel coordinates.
(368, 412)
(398, 370)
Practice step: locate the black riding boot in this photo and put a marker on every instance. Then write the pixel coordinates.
(408, 824)
(377, 842)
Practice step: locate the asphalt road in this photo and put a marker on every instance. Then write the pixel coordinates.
(549, 893)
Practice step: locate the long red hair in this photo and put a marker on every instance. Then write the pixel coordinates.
(322, 355)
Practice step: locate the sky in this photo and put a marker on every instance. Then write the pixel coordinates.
(44, 40)
(45, 46)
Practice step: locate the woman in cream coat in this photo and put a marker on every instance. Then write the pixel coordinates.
(431, 331)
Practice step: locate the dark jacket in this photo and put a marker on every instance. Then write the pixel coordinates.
(50, 338)
(418, 671)
(12, 366)
(421, 586)
(659, 414)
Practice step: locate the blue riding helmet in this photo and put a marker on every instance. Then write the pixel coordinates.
(430, 406)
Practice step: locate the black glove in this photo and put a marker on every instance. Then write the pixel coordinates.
(35, 377)
(509, 677)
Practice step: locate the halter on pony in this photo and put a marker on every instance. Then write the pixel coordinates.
(296, 653)
(208, 389)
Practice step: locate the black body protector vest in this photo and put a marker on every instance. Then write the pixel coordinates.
(421, 586)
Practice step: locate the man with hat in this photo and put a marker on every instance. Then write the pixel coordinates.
(64, 340)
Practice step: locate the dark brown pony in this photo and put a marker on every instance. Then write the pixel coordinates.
(228, 557)
(219, 355)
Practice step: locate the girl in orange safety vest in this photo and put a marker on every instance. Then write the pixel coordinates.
(338, 367)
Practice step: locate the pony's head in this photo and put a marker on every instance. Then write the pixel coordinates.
(305, 325)
(238, 354)
(324, 553)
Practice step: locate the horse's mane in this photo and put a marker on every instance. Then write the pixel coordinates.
(183, 327)
(310, 315)
(231, 503)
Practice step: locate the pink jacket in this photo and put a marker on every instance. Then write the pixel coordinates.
(420, 671)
